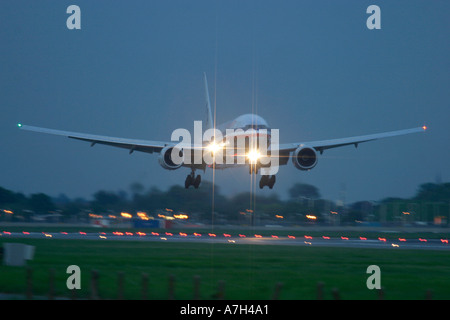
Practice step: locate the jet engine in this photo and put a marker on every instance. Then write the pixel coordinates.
(166, 161)
(304, 158)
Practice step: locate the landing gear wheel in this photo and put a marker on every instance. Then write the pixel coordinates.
(192, 180)
(267, 181)
(197, 181)
(271, 181)
(263, 181)
(188, 181)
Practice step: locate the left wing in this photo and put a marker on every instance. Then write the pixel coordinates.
(130, 144)
(334, 143)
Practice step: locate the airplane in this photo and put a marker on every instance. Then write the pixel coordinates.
(304, 155)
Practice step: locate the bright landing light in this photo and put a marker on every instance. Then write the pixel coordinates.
(214, 147)
(253, 156)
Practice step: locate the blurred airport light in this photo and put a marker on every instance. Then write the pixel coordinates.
(181, 216)
(143, 215)
(126, 215)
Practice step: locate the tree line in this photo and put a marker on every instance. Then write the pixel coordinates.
(304, 205)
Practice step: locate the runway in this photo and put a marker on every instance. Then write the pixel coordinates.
(236, 239)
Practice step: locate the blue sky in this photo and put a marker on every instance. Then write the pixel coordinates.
(311, 68)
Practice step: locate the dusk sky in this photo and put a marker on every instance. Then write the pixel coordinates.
(312, 69)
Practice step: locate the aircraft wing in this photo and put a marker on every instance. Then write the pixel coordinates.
(130, 144)
(334, 143)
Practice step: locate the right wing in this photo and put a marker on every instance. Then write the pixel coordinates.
(130, 144)
(334, 143)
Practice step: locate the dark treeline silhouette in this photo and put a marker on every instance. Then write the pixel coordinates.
(430, 204)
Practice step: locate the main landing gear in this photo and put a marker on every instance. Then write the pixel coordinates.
(267, 181)
(192, 180)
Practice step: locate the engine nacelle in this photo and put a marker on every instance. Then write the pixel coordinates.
(166, 161)
(304, 158)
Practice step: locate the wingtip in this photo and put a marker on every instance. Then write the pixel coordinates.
(19, 125)
(424, 128)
